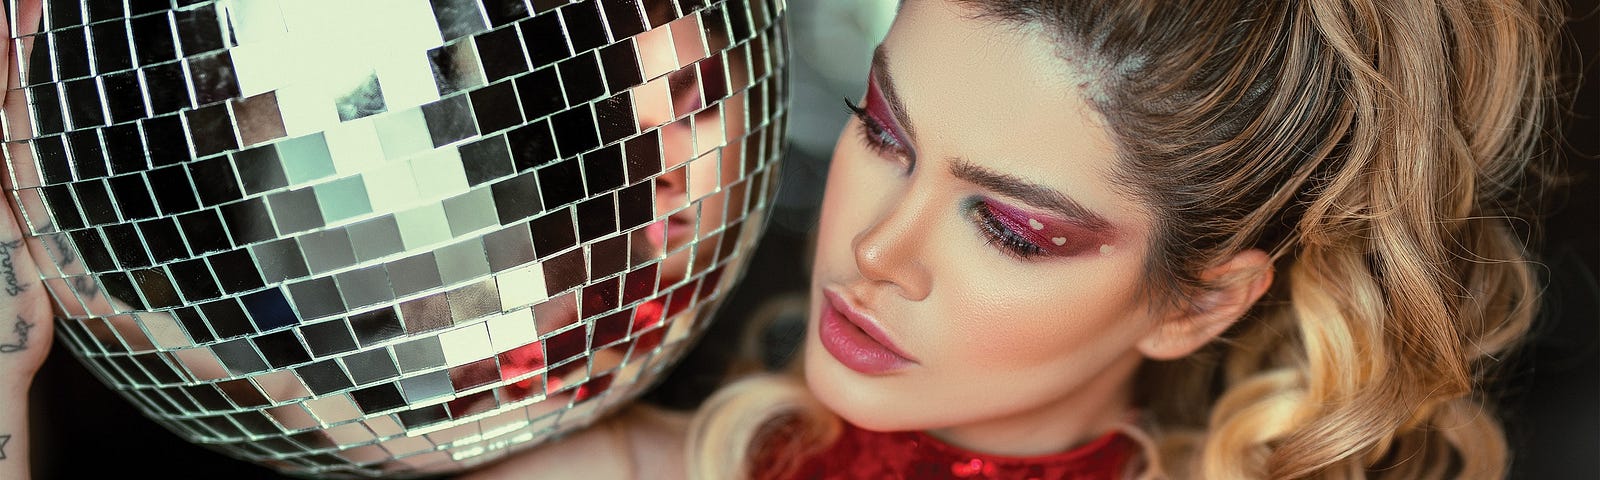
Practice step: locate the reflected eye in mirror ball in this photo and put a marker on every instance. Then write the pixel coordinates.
(386, 237)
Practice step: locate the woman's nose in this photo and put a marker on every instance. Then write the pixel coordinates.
(671, 185)
(890, 250)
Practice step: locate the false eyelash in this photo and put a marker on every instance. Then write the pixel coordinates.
(873, 133)
(996, 233)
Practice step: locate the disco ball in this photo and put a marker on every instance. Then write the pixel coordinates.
(392, 237)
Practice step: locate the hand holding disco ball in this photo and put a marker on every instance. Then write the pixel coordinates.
(363, 238)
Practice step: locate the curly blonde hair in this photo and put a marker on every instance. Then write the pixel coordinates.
(1375, 149)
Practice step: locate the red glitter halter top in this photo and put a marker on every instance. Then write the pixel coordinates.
(863, 454)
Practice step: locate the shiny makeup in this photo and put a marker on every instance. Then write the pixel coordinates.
(1027, 234)
(1073, 231)
(882, 120)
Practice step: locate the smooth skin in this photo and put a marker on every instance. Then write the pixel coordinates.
(1017, 356)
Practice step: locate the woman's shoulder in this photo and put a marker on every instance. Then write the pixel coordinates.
(640, 442)
(657, 440)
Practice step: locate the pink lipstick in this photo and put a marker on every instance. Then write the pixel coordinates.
(855, 339)
(669, 232)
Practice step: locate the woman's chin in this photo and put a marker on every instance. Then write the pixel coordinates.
(861, 405)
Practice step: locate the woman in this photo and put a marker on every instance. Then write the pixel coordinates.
(1261, 239)
(1186, 239)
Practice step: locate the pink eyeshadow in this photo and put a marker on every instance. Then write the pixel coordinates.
(878, 107)
(1054, 235)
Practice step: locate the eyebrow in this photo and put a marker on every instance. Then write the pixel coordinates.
(880, 70)
(1031, 193)
(1009, 185)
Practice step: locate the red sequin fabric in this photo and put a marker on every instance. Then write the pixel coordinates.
(863, 454)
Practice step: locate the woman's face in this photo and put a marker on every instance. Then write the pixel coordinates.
(970, 219)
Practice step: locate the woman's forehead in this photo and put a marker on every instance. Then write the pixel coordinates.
(981, 93)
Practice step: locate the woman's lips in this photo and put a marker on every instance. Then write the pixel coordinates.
(669, 232)
(855, 339)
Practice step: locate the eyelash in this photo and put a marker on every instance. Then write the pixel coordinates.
(877, 137)
(997, 234)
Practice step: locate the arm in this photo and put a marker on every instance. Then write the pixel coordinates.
(26, 328)
(26, 325)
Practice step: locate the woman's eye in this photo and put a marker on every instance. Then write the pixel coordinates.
(876, 135)
(1002, 234)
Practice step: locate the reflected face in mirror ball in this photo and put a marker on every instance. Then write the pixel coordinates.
(392, 237)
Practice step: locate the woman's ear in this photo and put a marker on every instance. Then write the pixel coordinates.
(1236, 285)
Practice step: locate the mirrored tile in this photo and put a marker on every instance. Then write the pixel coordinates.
(420, 354)
(370, 366)
(153, 38)
(414, 274)
(455, 67)
(213, 78)
(297, 211)
(458, 18)
(365, 100)
(500, 52)
(375, 238)
(259, 119)
(112, 49)
(545, 38)
(211, 130)
(503, 12)
(365, 286)
(450, 119)
(553, 232)
(582, 20)
(69, 45)
(508, 248)
(333, 337)
(85, 107)
(621, 63)
(166, 140)
(378, 398)
(198, 30)
(495, 107)
(428, 386)
(486, 160)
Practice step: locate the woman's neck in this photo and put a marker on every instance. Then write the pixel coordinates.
(1099, 405)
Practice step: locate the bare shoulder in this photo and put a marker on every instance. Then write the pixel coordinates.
(639, 442)
(658, 439)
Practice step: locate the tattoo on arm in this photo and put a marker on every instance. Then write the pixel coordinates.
(68, 255)
(63, 249)
(84, 287)
(21, 328)
(8, 271)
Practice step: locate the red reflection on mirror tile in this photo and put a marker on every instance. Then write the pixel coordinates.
(566, 345)
(475, 374)
(521, 361)
(639, 284)
(594, 386)
(611, 328)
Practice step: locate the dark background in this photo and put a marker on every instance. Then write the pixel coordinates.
(1549, 392)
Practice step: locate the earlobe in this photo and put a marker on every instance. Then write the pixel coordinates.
(1238, 284)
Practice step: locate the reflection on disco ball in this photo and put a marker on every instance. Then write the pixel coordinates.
(392, 237)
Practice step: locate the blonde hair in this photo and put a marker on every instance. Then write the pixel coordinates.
(1375, 149)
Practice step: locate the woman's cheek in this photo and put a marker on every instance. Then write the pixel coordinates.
(1000, 317)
